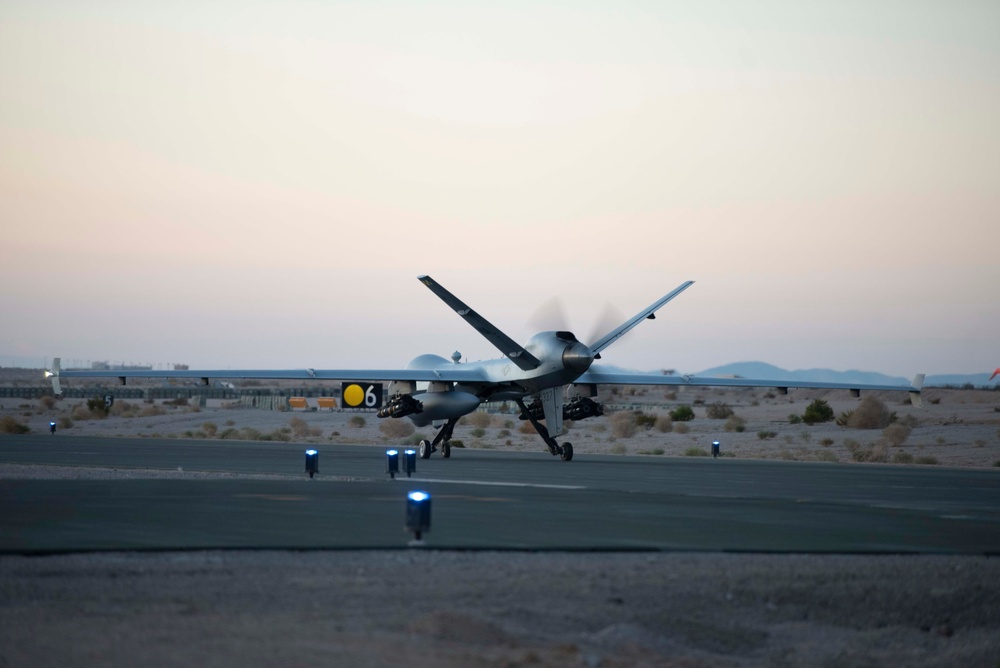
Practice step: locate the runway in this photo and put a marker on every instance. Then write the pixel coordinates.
(482, 499)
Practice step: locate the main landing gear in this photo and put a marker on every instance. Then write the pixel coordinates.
(565, 451)
(443, 438)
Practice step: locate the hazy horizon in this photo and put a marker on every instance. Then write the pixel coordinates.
(234, 186)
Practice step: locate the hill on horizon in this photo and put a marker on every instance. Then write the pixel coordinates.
(765, 371)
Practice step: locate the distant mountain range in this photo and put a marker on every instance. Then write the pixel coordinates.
(765, 371)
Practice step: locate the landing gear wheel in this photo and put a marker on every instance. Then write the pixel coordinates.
(446, 449)
(567, 452)
(425, 449)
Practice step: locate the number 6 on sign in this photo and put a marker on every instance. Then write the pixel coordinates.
(356, 395)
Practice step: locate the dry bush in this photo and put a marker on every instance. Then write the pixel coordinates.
(479, 419)
(735, 423)
(664, 423)
(873, 453)
(300, 428)
(151, 411)
(681, 428)
(9, 425)
(623, 424)
(618, 449)
(902, 458)
(526, 427)
(719, 411)
(210, 429)
(895, 434)
(47, 402)
(356, 421)
(647, 422)
(696, 452)
(65, 423)
(870, 414)
(397, 428)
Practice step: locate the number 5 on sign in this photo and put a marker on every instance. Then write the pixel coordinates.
(355, 395)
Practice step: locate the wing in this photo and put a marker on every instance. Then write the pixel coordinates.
(458, 374)
(512, 349)
(645, 314)
(598, 376)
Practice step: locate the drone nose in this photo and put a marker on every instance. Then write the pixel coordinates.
(577, 357)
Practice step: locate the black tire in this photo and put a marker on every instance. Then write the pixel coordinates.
(567, 452)
(446, 450)
(425, 449)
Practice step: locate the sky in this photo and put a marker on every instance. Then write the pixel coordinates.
(258, 184)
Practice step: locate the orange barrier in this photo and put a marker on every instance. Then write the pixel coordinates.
(298, 402)
(327, 402)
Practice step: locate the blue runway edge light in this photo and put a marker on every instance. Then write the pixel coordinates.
(418, 514)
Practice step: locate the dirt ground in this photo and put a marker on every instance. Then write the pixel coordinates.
(952, 428)
(427, 608)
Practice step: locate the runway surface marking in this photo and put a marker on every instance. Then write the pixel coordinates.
(497, 483)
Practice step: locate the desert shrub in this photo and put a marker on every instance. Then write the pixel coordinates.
(664, 424)
(873, 453)
(826, 456)
(479, 419)
(647, 422)
(151, 411)
(762, 435)
(926, 460)
(816, 412)
(9, 425)
(623, 424)
(357, 421)
(735, 423)
(47, 402)
(210, 429)
(902, 458)
(229, 433)
(120, 409)
(654, 451)
(826, 442)
(895, 434)
(179, 401)
(526, 428)
(65, 423)
(681, 428)
(455, 443)
(869, 414)
(682, 413)
(794, 419)
(719, 410)
(696, 452)
(478, 432)
(97, 407)
(300, 428)
(618, 449)
(503, 433)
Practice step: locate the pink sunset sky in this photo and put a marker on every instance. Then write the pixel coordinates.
(254, 185)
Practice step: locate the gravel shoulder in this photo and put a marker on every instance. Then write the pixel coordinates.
(497, 609)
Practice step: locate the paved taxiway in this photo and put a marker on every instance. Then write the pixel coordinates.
(483, 499)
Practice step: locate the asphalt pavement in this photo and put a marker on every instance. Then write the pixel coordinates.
(481, 499)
